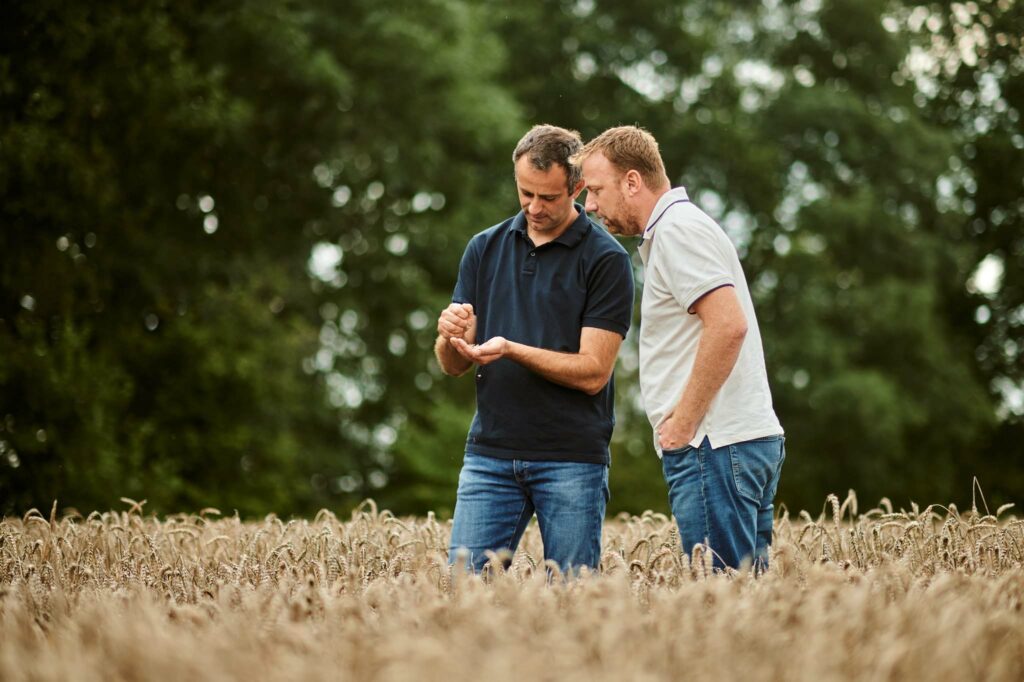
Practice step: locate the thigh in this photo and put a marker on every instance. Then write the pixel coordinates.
(683, 471)
(570, 498)
(491, 509)
(756, 465)
(766, 512)
(737, 481)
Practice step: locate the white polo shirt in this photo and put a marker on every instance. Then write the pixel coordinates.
(686, 255)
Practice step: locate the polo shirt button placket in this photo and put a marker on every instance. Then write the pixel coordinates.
(530, 264)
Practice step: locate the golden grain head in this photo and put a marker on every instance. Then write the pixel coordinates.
(931, 593)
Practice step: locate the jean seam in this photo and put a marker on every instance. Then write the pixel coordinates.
(734, 467)
(703, 495)
(515, 527)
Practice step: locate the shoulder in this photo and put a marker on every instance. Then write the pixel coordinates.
(601, 243)
(687, 222)
(493, 234)
(691, 216)
(605, 259)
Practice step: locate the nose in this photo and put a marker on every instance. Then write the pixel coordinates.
(590, 206)
(534, 207)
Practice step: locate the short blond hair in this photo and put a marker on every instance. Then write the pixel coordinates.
(629, 148)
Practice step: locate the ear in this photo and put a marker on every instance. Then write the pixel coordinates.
(577, 189)
(633, 182)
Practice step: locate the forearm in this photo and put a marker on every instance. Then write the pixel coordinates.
(573, 370)
(716, 356)
(451, 362)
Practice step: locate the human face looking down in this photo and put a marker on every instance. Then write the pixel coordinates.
(607, 196)
(545, 199)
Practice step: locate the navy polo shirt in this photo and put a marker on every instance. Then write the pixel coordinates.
(543, 296)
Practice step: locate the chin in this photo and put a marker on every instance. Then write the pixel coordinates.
(630, 229)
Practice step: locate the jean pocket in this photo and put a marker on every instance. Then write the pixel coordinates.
(754, 464)
(680, 465)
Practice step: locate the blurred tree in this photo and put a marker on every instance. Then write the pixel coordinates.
(167, 171)
(227, 231)
(876, 380)
(800, 128)
(969, 67)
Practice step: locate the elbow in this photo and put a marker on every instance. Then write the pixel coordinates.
(734, 339)
(594, 386)
(731, 329)
(728, 336)
(735, 332)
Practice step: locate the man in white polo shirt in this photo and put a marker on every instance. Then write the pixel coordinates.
(702, 369)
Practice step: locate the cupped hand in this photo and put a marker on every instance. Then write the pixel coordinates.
(483, 354)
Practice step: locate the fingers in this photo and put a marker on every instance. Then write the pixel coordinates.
(664, 439)
(455, 320)
(462, 348)
(449, 329)
(492, 350)
(483, 354)
(489, 347)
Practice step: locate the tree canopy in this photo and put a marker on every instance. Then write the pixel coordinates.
(227, 230)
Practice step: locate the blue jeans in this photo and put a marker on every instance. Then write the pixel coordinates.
(722, 497)
(498, 497)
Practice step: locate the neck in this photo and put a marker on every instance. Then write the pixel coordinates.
(650, 201)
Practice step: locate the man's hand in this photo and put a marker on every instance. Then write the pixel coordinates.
(457, 321)
(673, 433)
(484, 354)
(588, 370)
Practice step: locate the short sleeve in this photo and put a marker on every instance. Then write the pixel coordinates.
(694, 257)
(610, 294)
(465, 286)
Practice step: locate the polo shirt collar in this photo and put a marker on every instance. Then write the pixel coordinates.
(667, 199)
(571, 237)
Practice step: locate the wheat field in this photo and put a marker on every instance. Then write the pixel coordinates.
(930, 594)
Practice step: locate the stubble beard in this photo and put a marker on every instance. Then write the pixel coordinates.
(636, 228)
(629, 226)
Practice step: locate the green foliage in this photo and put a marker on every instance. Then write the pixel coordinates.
(166, 172)
(801, 131)
(227, 231)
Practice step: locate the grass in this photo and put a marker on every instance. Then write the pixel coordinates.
(928, 593)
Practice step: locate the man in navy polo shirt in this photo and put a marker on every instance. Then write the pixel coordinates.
(549, 295)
